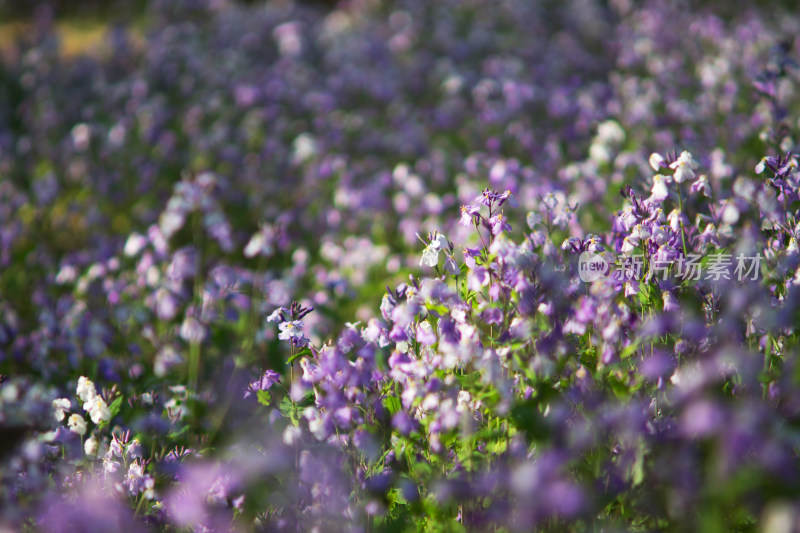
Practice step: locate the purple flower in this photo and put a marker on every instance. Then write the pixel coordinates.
(498, 224)
(425, 334)
(469, 256)
(492, 315)
(266, 381)
(402, 423)
(468, 215)
(702, 186)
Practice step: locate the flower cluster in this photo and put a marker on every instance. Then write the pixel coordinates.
(424, 181)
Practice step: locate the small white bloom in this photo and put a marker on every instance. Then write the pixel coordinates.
(730, 215)
(610, 132)
(629, 244)
(684, 167)
(533, 219)
(261, 243)
(640, 232)
(77, 424)
(98, 410)
(291, 435)
(192, 330)
(86, 390)
(59, 406)
(675, 218)
(304, 148)
(134, 244)
(90, 446)
(702, 186)
(659, 191)
(430, 256)
(276, 315)
(110, 465)
(656, 160)
(290, 330)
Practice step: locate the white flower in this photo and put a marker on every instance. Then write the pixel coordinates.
(192, 330)
(550, 200)
(684, 167)
(261, 243)
(86, 390)
(610, 132)
(430, 256)
(533, 219)
(98, 410)
(290, 330)
(110, 465)
(60, 405)
(90, 446)
(730, 214)
(702, 186)
(291, 435)
(77, 424)
(134, 244)
(640, 232)
(276, 315)
(656, 160)
(659, 192)
(675, 218)
(629, 244)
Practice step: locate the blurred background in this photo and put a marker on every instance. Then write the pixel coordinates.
(82, 25)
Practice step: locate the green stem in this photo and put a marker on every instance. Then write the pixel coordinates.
(194, 366)
(194, 347)
(139, 505)
(680, 222)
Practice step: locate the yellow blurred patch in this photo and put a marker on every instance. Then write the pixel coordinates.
(85, 37)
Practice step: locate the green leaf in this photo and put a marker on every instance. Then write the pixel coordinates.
(115, 406)
(441, 310)
(391, 404)
(305, 351)
(264, 397)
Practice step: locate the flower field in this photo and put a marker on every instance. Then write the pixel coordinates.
(463, 265)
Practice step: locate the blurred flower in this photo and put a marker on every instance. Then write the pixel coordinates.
(656, 161)
(60, 405)
(90, 446)
(702, 186)
(266, 381)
